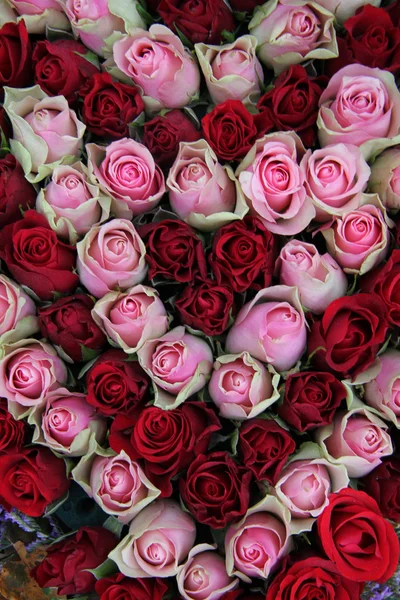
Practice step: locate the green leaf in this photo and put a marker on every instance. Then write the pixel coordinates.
(88, 353)
(86, 368)
(107, 568)
(183, 37)
(353, 286)
(228, 36)
(53, 34)
(146, 16)
(90, 57)
(51, 508)
(113, 525)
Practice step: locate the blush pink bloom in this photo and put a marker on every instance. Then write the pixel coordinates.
(319, 279)
(385, 178)
(271, 328)
(17, 312)
(159, 539)
(111, 256)
(273, 183)
(37, 14)
(383, 392)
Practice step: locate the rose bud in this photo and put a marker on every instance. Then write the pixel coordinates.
(109, 588)
(12, 432)
(344, 9)
(383, 392)
(159, 539)
(232, 71)
(15, 56)
(383, 484)
(15, 191)
(385, 178)
(17, 313)
(384, 281)
(39, 14)
(271, 328)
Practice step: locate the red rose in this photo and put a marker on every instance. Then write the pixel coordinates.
(348, 337)
(385, 282)
(393, 9)
(166, 440)
(16, 192)
(292, 104)
(383, 484)
(200, 21)
(355, 536)
(15, 56)
(264, 447)
(230, 130)
(216, 490)
(110, 106)
(173, 251)
(119, 587)
(36, 258)
(61, 68)
(115, 384)
(12, 432)
(245, 5)
(65, 566)
(311, 400)
(243, 255)
(312, 577)
(163, 134)
(31, 480)
(68, 323)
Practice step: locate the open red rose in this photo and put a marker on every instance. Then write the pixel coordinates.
(15, 56)
(383, 484)
(385, 282)
(16, 192)
(356, 537)
(119, 587)
(12, 432)
(245, 5)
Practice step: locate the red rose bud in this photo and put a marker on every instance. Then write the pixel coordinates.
(15, 56)
(16, 193)
(12, 432)
(124, 588)
(385, 282)
(383, 484)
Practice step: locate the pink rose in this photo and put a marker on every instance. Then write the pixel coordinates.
(385, 178)
(273, 183)
(204, 576)
(38, 14)
(17, 312)
(159, 539)
(132, 318)
(159, 64)
(127, 172)
(335, 177)
(383, 392)
(111, 256)
(319, 279)
(271, 328)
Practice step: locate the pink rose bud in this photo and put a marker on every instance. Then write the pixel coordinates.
(383, 392)
(38, 14)
(111, 256)
(385, 178)
(204, 576)
(17, 312)
(319, 279)
(159, 540)
(271, 328)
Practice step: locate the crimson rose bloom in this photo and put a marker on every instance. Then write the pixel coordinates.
(110, 106)
(216, 489)
(200, 21)
(348, 337)
(119, 587)
(311, 400)
(355, 536)
(68, 323)
(163, 134)
(264, 447)
(116, 385)
(61, 68)
(383, 484)
(245, 5)
(15, 56)
(243, 255)
(15, 191)
(31, 480)
(12, 432)
(166, 440)
(36, 258)
(385, 282)
(66, 562)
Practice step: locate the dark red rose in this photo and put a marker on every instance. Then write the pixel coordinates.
(355, 536)
(383, 484)
(313, 577)
(110, 106)
(12, 432)
(163, 134)
(292, 104)
(16, 192)
(348, 337)
(15, 56)
(393, 9)
(119, 587)
(397, 233)
(311, 399)
(243, 255)
(65, 566)
(245, 5)
(68, 323)
(216, 489)
(173, 251)
(166, 440)
(198, 20)
(385, 282)
(116, 385)
(61, 68)
(230, 130)
(264, 447)
(31, 480)
(36, 258)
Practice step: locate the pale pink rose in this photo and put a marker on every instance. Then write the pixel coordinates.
(271, 328)
(37, 14)
(335, 177)
(159, 540)
(385, 178)
(383, 392)
(344, 9)
(318, 277)
(160, 65)
(241, 387)
(17, 312)
(204, 576)
(132, 318)
(273, 183)
(111, 256)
